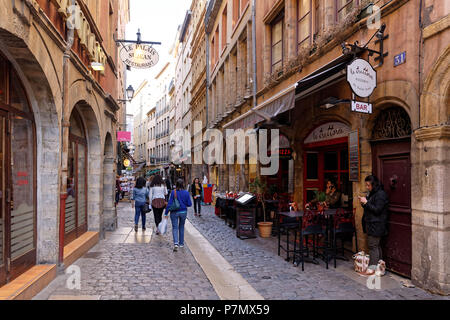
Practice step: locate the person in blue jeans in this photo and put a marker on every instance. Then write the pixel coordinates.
(139, 201)
(179, 217)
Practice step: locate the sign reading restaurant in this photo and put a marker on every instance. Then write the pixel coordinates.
(362, 77)
(139, 56)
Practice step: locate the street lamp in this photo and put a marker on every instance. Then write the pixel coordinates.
(130, 94)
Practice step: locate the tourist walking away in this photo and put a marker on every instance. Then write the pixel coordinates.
(139, 202)
(179, 201)
(375, 221)
(118, 190)
(197, 195)
(168, 186)
(157, 196)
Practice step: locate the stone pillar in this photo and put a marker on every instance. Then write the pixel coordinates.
(109, 211)
(291, 29)
(430, 209)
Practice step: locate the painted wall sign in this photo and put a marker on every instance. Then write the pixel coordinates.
(362, 107)
(123, 136)
(362, 77)
(400, 59)
(354, 156)
(139, 56)
(328, 131)
(76, 19)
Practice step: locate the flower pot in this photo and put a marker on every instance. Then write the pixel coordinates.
(265, 229)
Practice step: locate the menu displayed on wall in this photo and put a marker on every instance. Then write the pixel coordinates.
(354, 156)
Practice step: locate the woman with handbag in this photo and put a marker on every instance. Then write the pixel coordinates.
(179, 201)
(139, 203)
(197, 195)
(158, 193)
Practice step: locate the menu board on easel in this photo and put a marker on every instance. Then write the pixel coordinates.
(354, 156)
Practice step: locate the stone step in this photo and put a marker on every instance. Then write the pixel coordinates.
(29, 284)
(77, 248)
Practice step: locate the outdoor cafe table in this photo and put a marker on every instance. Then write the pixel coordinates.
(329, 213)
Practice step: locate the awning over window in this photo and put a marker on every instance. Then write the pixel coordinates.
(334, 71)
(279, 103)
(285, 100)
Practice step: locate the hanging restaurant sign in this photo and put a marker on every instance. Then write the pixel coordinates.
(139, 56)
(362, 77)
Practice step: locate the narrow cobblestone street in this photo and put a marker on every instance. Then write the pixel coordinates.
(130, 266)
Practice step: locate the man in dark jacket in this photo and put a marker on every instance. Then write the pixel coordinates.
(375, 218)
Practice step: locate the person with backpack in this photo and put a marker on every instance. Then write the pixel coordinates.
(179, 202)
(139, 202)
(158, 193)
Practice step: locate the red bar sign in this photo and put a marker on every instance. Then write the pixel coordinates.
(362, 107)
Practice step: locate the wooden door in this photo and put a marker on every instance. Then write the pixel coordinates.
(3, 193)
(392, 164)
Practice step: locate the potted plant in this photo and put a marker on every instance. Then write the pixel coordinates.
(321, 200)
(259, 188)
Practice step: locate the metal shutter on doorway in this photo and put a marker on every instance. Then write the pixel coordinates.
(22, 231)
(70, 214)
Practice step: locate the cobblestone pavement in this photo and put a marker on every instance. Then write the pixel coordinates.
(258, 262)
(113, 271)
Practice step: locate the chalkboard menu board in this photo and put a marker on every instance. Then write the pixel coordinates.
(354, 157)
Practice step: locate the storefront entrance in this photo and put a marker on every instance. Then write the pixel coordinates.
(391, 150)
(17, 177)
(76, 203)
(327, 159)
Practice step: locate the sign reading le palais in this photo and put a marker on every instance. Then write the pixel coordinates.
(139, 56)
(362, 77)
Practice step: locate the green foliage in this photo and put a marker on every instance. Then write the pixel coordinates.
(321, 196)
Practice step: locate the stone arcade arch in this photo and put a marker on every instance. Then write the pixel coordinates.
(42, 89)
(94, 164)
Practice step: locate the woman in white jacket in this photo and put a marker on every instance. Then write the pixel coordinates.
(157, 196)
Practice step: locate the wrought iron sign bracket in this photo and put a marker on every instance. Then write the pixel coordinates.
(357, 49)
(138, 41)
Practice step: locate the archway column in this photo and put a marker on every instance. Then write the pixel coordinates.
(430, 205)
(109, 211)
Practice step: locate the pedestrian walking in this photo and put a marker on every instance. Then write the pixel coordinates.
(179, 201)
(118, 189)
(197, 194)
(157, 197)
(375, 221)
(139, 202)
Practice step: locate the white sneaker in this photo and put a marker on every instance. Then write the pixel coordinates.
(175, 248)
(181, 246)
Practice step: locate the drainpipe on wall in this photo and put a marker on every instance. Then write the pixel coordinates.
(255, 88)
(207, 80)
(65, 124)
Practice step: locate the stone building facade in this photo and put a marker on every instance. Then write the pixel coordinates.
(302, 52)
(230, 69)
(198, 91)
(70, 131)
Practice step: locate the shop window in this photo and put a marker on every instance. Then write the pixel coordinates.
(331, 160)
(277, 30)
(312, 172)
